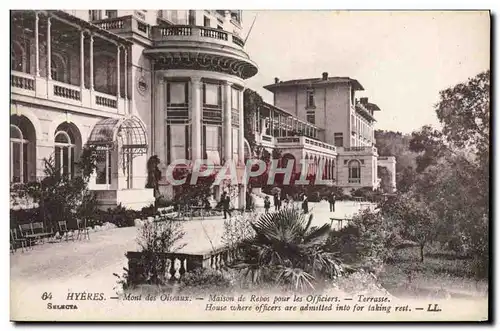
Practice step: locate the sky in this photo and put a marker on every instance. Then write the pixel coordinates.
(402, 59)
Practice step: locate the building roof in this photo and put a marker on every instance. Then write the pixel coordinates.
(315, 82)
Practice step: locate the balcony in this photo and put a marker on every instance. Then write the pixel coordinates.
(305, 142)
(125, 25)
(27, 85)
(165, 34)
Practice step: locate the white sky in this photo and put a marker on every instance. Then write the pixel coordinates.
(402, 59)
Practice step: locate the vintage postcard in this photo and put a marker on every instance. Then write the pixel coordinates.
(244, 165)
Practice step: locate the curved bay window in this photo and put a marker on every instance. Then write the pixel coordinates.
(65, 153)
(22, 150)
(212, 122)
(354, 172)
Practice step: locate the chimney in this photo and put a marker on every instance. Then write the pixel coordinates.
(363, 101)
(325, 76)
(276, 80)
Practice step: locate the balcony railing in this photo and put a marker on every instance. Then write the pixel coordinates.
(372, 149)
(197, 33)
(22, 80)
(25, 84)
(305, 142)
(67, 91)
(125, 24)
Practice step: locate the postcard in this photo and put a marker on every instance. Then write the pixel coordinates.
(243, 165)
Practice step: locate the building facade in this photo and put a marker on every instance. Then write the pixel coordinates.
(325, 112)
(132, 84)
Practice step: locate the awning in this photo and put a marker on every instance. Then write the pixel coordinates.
(129, 133)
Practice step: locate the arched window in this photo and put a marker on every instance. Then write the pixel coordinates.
(65, 152)
(17, 57)
(354, 172)
(22, 150)
(18, 155)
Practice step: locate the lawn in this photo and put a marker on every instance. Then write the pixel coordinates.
(442, 274)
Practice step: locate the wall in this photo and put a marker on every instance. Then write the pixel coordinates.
(337, 112)
(331, 112)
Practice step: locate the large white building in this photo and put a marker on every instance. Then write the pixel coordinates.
(133, 84)
(170, 83)
(321, 119)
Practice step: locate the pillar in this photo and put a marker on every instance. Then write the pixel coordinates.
(196, 118)
(49, 51)
(37, 46)
(125, 69)
(82, 60)
(227, 129)
(241, 132)
(159, 130)
(91, 62)
(118, 71)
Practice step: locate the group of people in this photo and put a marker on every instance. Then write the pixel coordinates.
(305, 202)
(278, 199)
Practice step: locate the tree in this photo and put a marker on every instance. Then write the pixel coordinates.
(464, 112)
(390, 143)
(385, 176)
(416, 221)
(61, 197)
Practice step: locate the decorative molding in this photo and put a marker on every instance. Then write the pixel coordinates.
(208, 62)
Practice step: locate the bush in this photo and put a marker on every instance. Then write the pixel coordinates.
(365, 242)
(153, 239)
(203, 279)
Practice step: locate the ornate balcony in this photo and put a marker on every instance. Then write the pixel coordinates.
(200, 48)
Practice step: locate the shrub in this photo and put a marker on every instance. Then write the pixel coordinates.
(238, 228)
(158, 237)
(203, 279)
(364, 242)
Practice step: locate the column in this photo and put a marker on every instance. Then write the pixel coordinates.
(91, 62)
(227, 130)
(241, 151)
(271, 123)
(241, 133)
(196, 118)
(125, 69)
(159, 124)
(82, 61)
(118, 71)
(49, 60)
(37, 46)
(125, 79)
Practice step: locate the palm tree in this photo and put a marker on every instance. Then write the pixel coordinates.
(287, 251)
